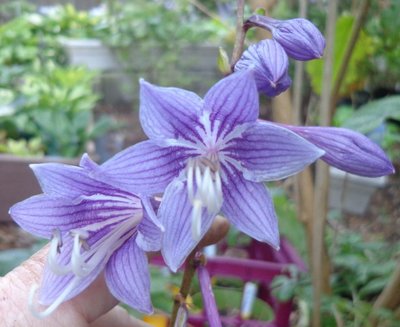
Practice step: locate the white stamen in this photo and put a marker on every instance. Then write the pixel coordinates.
(196, 219)
(205, 188)
(198, 177)
(190, 175)
(77, 261)
(84, 263)
(54, 266)
(218, 186)
(51, 308)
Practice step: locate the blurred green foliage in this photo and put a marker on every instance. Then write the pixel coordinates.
(152, 23)
(49, 101)
(355, 74)
(378, 119)
(47, 107)
(383, 26)
(361, 269)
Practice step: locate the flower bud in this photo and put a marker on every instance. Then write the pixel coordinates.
(223, 62)
(270, 64)
(300, 38)
(347, 150)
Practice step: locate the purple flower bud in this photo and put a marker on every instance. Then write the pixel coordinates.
(270, 64)
(347, 150)
(300, 38)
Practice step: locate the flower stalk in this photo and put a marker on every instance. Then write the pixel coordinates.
(240, 34)
(193, 261)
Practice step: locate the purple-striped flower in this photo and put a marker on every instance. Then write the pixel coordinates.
(270, 64)
(347, 150)
(211, 155)
(93, 227)
(300, 38)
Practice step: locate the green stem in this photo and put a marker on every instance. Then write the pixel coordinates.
(192, 262)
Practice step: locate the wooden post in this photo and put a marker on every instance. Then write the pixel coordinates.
(320, 280)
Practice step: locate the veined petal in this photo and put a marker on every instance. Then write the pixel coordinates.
(348, 150)
(176, 215)
(268, 152)
(150, 232)
(144, 168)
(233, 101)
(42, 214)
(168, 112)
(87, 163)
(270, 66)
(67, 181)
(249, 207)
(127, 277)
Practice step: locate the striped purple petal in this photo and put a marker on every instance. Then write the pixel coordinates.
(87, 163)
(167, 112)
(249, 207)
(127, 277)
(149, 234)
(269, 152)
(233, 101)
(144, 168)
(42, 214)
(67, 181)
(348, 150)
(176, 215)
(270, 66)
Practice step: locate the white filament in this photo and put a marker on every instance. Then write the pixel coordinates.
(51, 308)
(84, 263)
(54, 266)
(196, 219)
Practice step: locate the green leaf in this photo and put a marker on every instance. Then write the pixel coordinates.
(373, 287)
(283, 288)
(374, 113)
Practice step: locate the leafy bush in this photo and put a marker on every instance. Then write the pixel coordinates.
(47, 105)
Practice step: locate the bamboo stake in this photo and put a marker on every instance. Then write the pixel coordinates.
(240, 34)
(299, 76)
(322, 173)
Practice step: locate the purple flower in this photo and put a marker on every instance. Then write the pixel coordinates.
(300, 38)
(347, 150)
(211, 155)
(93, 227)
(270, 66)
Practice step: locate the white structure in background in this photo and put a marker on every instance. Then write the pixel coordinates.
(351, 193)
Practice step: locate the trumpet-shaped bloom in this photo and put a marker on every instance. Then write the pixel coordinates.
(300, 38)
(270, 66)
(347, 150)
(211, 155)
(93, 227)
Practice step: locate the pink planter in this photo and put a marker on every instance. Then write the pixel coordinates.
(262, 266)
